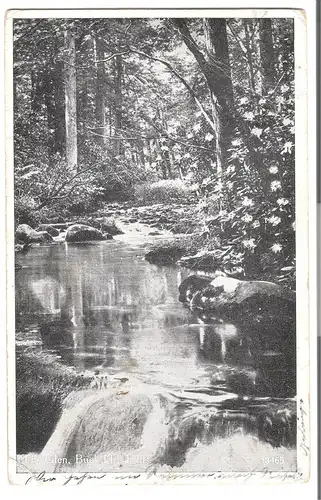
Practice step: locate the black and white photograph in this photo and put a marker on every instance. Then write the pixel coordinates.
(155, 246)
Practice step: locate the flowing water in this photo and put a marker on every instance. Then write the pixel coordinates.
(102, 309)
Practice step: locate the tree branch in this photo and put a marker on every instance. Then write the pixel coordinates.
(142, 81)
(54, 194)
(206, 65)
(237, 38)
(28, 32)
(96, 61)
(206, 115)
(162, 132)
(167, 136)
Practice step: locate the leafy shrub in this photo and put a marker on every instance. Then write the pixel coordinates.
(54, 186)
(164, 191)
(25, 211)
(252, 206)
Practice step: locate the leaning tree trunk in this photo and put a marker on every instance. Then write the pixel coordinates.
(100, 97)
(70, 101)
(217, 72)
(118, 101)
(267, 51)
(220, 84)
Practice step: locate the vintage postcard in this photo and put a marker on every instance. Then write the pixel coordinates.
(157, 246)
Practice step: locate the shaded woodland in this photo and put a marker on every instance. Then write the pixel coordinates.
(145, 111)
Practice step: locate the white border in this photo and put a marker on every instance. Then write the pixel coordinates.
(301, 177)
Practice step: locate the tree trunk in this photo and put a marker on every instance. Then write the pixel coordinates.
(71, 101)
(267, 55)
(249, 56)
(50, 105)
(59, 121)
(169, 167)
(165, 152)
(221, 88)
(100, 94)
(161, 162)
(36, 93)
(149, 149)
(287, 46)
(218, 55)
(168, 163)
(140, 147)
(217, 72)
(118, 101)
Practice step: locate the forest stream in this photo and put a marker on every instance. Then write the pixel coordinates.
(190, 384)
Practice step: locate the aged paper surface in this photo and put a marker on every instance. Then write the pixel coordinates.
(131, 370)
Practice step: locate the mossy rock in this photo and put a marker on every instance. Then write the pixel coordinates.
(26, 234)
(81, 233)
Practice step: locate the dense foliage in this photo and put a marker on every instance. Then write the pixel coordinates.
(151, 105)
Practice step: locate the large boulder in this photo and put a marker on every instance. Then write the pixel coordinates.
(166, 253)
(240, 300)
(80, 232)
(104, 224)
(26, 234)
(50, 229)
(191, 285)
(100, 425)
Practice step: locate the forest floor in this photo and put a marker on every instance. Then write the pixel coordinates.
(179, 218)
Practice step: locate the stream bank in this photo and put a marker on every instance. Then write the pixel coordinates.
(186, 241)
(118, 321)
